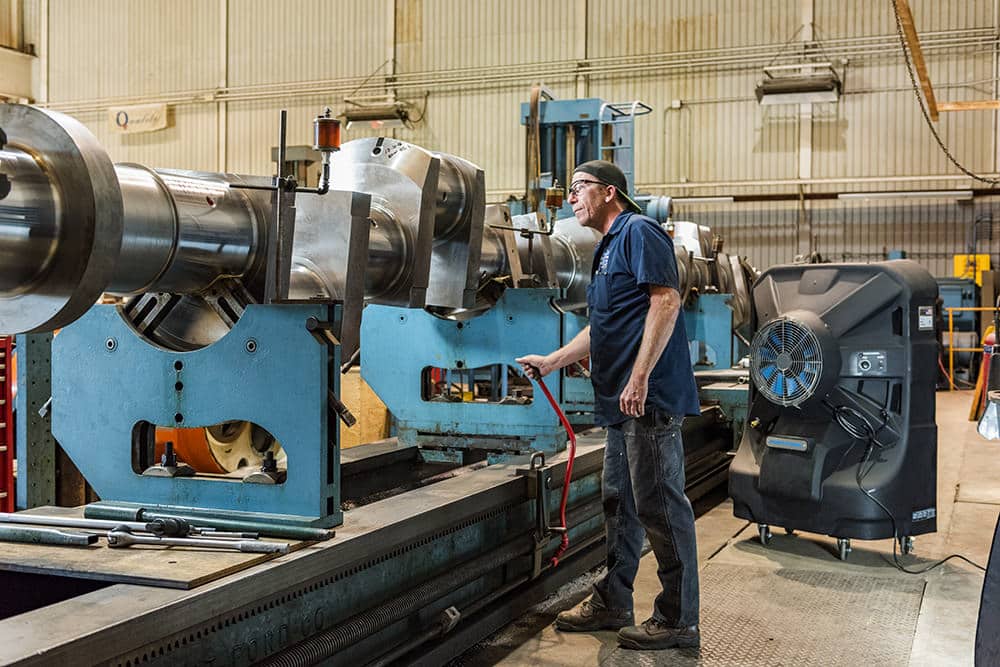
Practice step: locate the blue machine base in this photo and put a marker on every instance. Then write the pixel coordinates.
(709, 324)
(107, 381)
(394, 372)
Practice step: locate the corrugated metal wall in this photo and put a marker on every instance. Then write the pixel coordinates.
(7, 29)
(272, 43)
(227, 66)
(929, 231)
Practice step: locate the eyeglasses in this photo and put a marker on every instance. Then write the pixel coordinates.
(577, 187)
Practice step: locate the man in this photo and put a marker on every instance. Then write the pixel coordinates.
(643, 387)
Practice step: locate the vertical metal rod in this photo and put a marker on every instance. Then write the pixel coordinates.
(951, 350)
(279, 202)
(282, 126)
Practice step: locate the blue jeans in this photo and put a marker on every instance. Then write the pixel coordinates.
(643, 489)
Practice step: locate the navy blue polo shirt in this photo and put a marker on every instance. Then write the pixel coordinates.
(635, 253)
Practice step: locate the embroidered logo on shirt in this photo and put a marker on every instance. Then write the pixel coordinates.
(602, 266)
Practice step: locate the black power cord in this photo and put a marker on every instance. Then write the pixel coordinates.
(862, 429)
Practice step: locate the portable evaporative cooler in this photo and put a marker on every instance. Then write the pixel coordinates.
(843, 369)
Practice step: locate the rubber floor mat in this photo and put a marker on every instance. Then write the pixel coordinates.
(756, 616)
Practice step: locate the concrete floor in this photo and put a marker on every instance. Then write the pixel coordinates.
(968, 504)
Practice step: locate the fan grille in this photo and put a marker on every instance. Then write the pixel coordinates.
(786, 362)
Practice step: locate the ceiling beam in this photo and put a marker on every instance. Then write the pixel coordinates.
(917, 54)
(968, 106)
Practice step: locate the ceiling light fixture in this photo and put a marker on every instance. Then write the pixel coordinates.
(378, 113)
(799, 84)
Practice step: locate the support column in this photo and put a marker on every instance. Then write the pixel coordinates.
(582, 11)
(804, 227)
(222, 108)
(36, 448)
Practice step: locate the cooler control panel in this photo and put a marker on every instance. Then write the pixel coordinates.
(870, 363)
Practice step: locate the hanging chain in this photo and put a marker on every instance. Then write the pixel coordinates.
(923, 105)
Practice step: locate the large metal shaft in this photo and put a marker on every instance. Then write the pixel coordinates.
(29, 222)
(182, 232)
(74, 226)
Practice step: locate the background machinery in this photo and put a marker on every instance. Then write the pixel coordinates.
(241, 302)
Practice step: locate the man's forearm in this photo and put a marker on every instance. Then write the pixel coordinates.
(659, 326)
(573, 351)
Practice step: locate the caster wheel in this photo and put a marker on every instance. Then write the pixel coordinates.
(843, 547)
(906, 544)
(765, 533)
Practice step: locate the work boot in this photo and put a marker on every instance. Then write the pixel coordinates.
(591, 615)
(654, 634)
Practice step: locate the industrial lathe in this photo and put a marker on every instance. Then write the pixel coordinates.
(208, 391)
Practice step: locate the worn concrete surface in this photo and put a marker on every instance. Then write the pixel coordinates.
(968, 505)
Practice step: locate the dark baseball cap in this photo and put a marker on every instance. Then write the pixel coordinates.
(609, 174)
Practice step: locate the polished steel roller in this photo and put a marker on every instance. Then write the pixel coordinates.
(73, 226)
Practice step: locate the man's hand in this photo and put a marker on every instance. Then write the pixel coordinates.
(536, 366)
(633, 399)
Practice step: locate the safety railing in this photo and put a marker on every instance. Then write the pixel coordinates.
(951, 338)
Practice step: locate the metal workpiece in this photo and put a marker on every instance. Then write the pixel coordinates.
(506, 252)
(73, 225)
(573, 255)
(322, 254)
(29, 224)
(493, 260)
(190, 228)
(458, 231)
(334, 237)
(402, 180)
(397, 225)
(427, 205)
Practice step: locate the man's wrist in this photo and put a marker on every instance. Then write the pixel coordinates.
(639, 376)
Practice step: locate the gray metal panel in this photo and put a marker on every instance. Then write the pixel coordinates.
(866, 133)
(104, 48)
(301, 40)
(862, 18)
(31, 17)
(188, 142)
(36, 448)
(7, 31)
(930, 231)
(652, 26)
(446, 35)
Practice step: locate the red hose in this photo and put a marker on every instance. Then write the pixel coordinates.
(569, 470)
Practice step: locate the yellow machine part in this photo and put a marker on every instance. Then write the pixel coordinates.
(971, 266)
